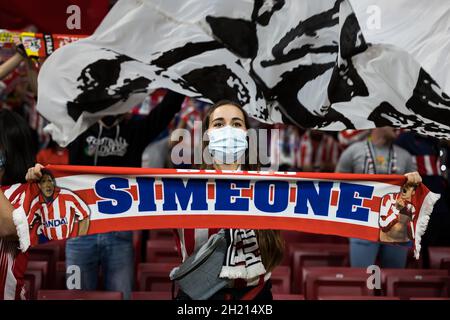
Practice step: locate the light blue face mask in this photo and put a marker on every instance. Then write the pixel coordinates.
(227, 145)
(2, 159)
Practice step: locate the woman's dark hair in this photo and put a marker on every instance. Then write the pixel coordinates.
(271, 243)
(17, 144)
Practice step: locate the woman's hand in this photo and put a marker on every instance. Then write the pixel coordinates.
(413, 178)
(34, 173)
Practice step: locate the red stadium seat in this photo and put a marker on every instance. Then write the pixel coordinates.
(279, 296)
(315, 255)
(281, 280)
(418, 286)
(155, 276)
(137, 246)
(33, 283)
(333, 281)
(38, 268)
(60, 276)
(437, 254)
(302, 237)
(161, 234)
(78, 295)
(427, 298)
(61, 244)
(412, 262)
(385, 273)
(49, 254)
(162, 251)
(356, 298)
(445, 264)
(151, 295)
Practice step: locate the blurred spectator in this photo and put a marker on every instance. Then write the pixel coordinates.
(114, 141)
(284, 147)
(318, 152)
(53, 154)
(377, 154)
(350, 136)
(189, 119)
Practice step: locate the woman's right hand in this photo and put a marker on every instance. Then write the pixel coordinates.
(34, 173)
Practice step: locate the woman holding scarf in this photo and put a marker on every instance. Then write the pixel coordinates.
(16, 156)
(219, 270)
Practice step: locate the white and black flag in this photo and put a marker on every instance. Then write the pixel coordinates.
(301, 62)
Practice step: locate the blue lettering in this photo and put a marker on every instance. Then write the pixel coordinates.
(104, 188)
(175, 188)
(146, 194)
(280, 196)
(224, 193)
(347, 200)
(319, 200)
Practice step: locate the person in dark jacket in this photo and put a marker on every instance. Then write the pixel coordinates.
(116, 141)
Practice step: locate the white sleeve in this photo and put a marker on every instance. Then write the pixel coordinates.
(22, 227)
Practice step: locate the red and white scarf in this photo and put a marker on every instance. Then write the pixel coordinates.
(347, 205)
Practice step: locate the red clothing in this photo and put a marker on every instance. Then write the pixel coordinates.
(52, 156)
(314, 154)
(13, 262)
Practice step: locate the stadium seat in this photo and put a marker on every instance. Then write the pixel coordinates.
(78, 295)
(385, 273)
(154, 276)
(279, 296)
(412, 262)
(161, 234)
(356, 298)
(335, 281)
(302, 237)
(60, 276)
(40, 271)
(445, 265)
(61, 244)
(33, 283)
(428, 298)
(151, 295)
(49, 254)
(281, 280)
(137, 246)
(437, 254)
(162, 251)
(315, 255)
(418, 286)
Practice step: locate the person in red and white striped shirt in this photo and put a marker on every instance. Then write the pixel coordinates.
(15, 158)
(318, 151)
(57, 210)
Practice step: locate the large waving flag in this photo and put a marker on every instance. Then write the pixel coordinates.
(422, 28)
(300, 62)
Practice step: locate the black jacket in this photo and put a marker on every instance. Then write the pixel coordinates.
(123, 144)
